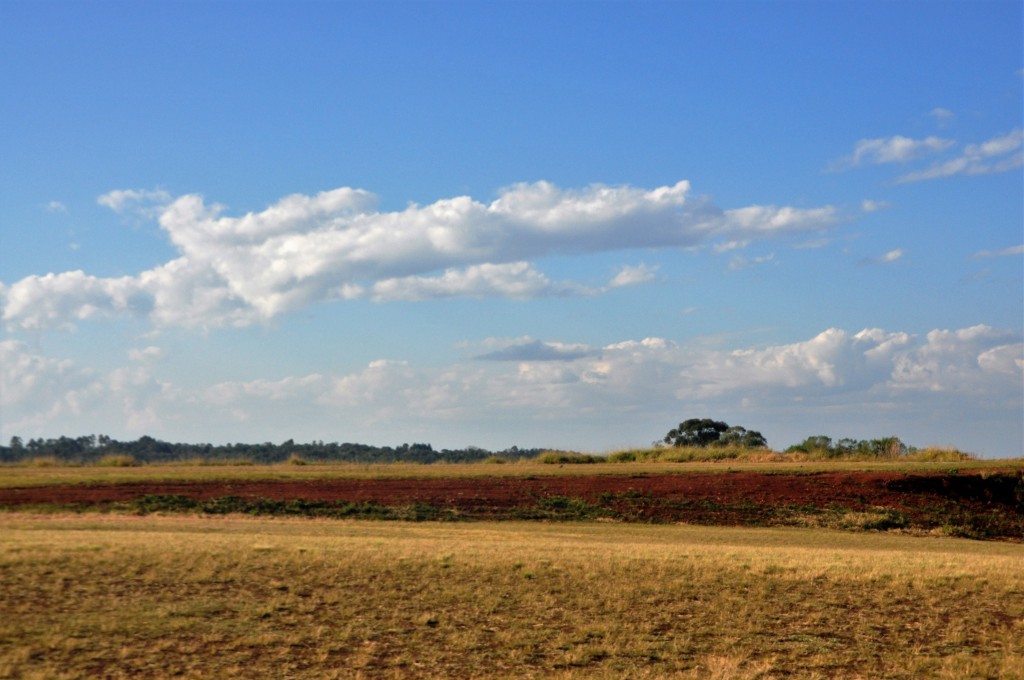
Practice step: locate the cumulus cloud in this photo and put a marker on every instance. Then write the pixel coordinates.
(516, 280)
(999, 154)
(36, 390)
(60, 299)
(962, 361)
(833, 360)
(234, 271)
(895, 149)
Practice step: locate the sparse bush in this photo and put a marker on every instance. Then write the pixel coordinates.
(296, 459)
(494, 460)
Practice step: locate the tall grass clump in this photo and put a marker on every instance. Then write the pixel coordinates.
(43, 462)
(567, 457)
(683, 454)
(939, 454)
(117, 460)
(201, 462)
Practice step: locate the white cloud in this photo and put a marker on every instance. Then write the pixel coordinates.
(37, 391)
(146, 354)
(834, 359)
(236, 393)
(739, 262)
(60, 299)
(730, 245)
(534, 391)
(964, 361)
(1005, 252)
(768, 220)
(891, 256)
(302, 250)
(895, 149)
(56, 207)
(943, 117)
(869, 206)
(516, 280)
(146, 201)
(999, 154)
(631, 276)
(886, 258)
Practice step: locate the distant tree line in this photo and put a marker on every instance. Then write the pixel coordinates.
(821, 446)
(92, 448)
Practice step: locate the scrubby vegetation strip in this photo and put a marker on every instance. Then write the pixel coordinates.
(973, 506)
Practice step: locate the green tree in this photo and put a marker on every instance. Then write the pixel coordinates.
(704, 432)
(741, 436)
(699, 432)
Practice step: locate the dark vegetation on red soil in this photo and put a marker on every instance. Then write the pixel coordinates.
(986, 505)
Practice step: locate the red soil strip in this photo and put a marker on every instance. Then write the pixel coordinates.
(846, 489)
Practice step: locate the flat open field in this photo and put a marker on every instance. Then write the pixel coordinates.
(117, 596)
(635, 570)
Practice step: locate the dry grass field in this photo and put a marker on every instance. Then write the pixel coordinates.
(28, 474)
(108, 595)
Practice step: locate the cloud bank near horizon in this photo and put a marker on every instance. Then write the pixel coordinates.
(303, 250)
(948, 374)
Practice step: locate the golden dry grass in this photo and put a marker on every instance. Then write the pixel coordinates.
(115, 596)
(21, 475)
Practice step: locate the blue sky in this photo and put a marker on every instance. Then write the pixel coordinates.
(566, 224)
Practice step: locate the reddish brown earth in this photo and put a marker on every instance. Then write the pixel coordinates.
(821, 489)
(993, 504)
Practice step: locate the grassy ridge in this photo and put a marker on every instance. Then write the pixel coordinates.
(28, 475)
(154, 597)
